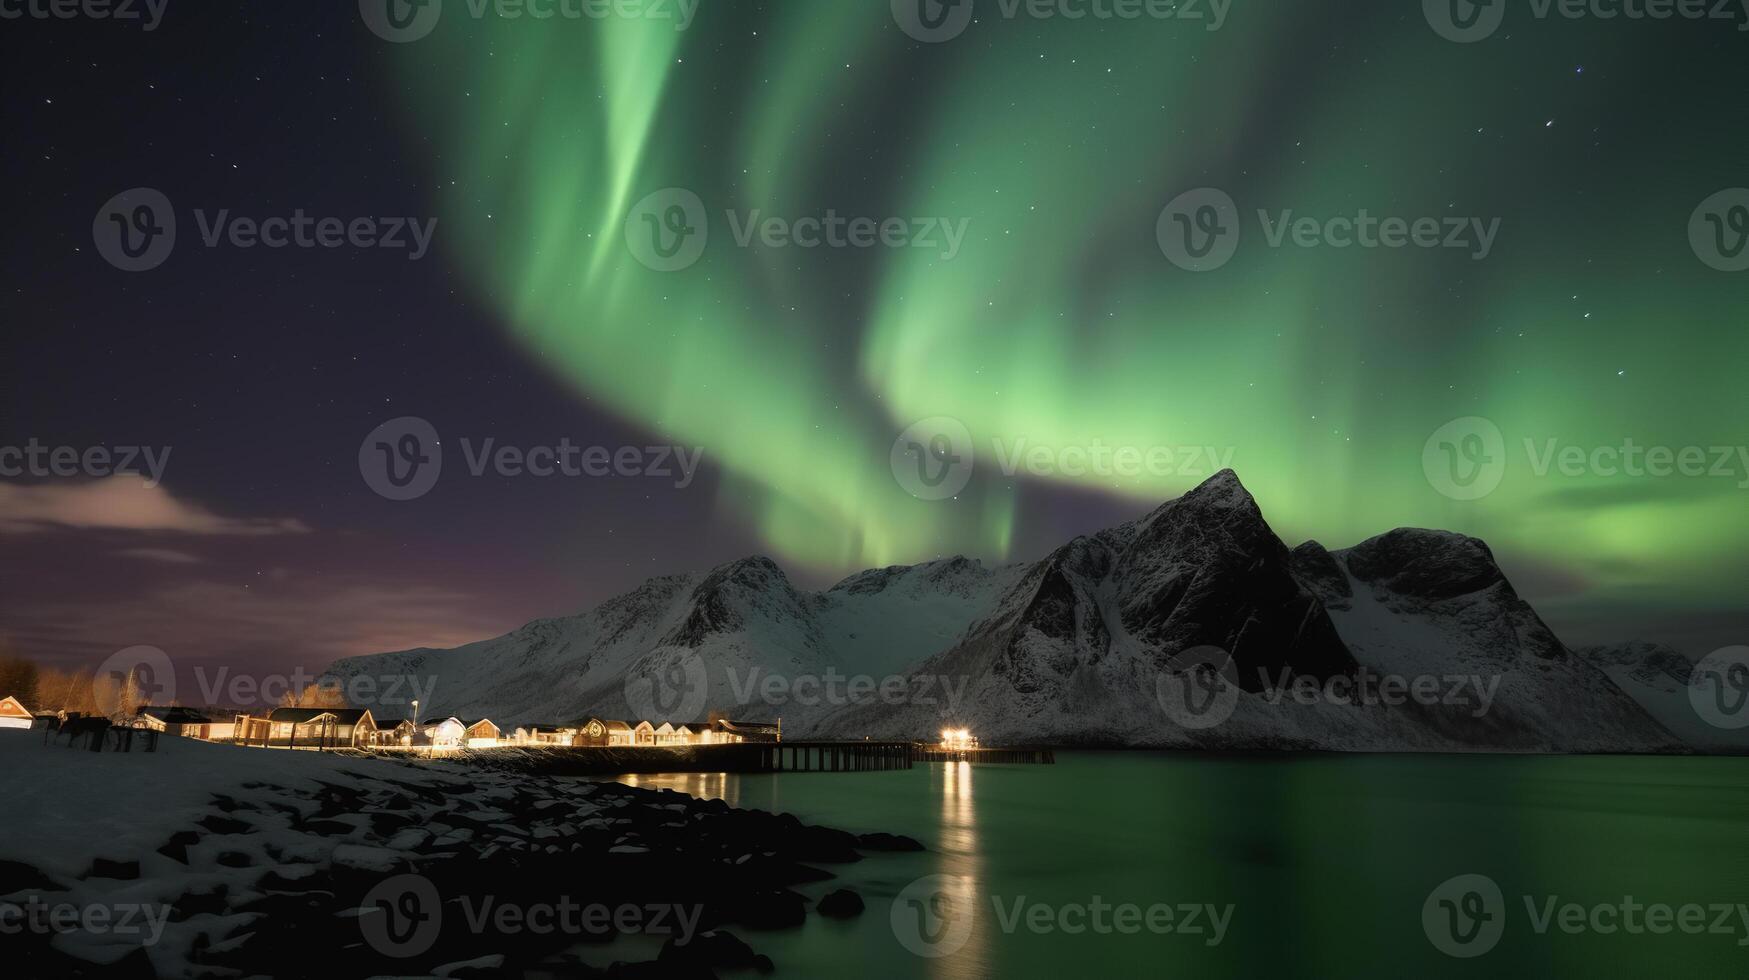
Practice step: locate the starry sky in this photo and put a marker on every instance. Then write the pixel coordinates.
(1324, 375)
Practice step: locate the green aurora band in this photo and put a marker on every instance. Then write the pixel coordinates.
(1060, 321)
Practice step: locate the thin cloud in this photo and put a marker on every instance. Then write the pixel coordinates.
(168, 556)
(124, 503)
(308, 620)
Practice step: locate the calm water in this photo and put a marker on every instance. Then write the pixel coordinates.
(1326, 862)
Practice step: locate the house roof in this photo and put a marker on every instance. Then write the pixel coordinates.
(750, 726)
(11, 707)
(175, 715)
(300, 716)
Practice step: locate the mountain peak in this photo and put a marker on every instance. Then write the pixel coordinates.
(1225, 482)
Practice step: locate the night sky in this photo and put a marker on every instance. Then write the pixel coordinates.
(1322, 373)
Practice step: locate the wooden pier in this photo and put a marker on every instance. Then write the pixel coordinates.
(833, 756)
(935, 753)
(785, 756)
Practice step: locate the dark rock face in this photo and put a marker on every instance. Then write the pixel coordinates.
(1651, 663)
(710, 951)
(887, 842)
(271, 893)
(120, 870)
(1454, 579)
(1430, 565)
(750, 583)
(1207, 570)
(18, 877)
(841, 904)
(176, 848)
(1317, 570)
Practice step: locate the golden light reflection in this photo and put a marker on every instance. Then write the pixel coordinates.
(960, 858)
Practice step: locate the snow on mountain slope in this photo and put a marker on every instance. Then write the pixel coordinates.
(1079, 648)
(1087, 646)
(1075, 650)
(880, 619)
(1432, 603)
(1658, 677)
(739, 639)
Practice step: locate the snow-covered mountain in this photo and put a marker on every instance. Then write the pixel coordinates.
(1095, 644)
(1658, 677)
(739, 639)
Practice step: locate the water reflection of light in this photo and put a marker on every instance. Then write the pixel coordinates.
(703, 785)
(960, 858)
(959, 823)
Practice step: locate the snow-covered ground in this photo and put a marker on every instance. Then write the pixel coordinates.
(213, 861)
(66, 807)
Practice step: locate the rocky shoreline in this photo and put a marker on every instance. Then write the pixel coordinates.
(445, 870)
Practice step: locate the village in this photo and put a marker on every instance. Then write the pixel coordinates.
(333, 729)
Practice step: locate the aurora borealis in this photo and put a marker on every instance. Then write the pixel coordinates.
(875, 235)
(1323, 371)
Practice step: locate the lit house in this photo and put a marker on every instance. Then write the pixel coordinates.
(173, 720)
(307, 728)
(480, 734)
(394, 732)
(716, 731)
(445, 734)
(533, 734)
(13, 714)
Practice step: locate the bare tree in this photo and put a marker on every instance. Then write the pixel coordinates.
(21, 679)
